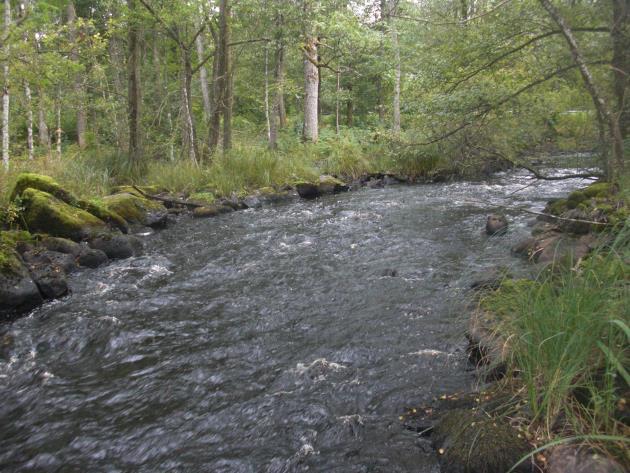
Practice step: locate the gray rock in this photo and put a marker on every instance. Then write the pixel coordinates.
(18, 291)
(61, 245)
(496, 224)
(575, 227)
(90, 258)
(117, 246)
(571, 459)
(211, 211)
(307, 190)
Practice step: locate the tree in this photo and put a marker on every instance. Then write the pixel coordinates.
(134, 89)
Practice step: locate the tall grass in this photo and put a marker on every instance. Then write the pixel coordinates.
(571, 339)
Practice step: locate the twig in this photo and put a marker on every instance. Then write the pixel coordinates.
(167, 200)
(565, 219)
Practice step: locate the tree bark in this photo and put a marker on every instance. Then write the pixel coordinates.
(134, 90)
(190, 134)
(42, 127)
(267, 111)
(337, 90)
(29, 119)
(79, 86)
(397, 76)
(228, 94)
(350, 108)
(58, 130)
(203, 77)
(5, 89)
(598, 99)
(620, 33)
(311, 81)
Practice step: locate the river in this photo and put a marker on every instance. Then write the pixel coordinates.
(282, 339)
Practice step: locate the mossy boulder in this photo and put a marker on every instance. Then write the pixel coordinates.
(98, 209)
(18, 292)
(151, 190)
(331, 185)
(202, 198)
(471, 442)
(44, 213)
(556, 207)
(136, 210)
(575, 198)
(211, 211)
(42, 183)
(599, 189)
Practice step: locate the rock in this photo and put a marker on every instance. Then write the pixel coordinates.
(577, 228)
(91, 258)
(599, 189)
(390, 180)
(552, 246)
(544, 227)
(572, 459)
(331, 185)
(45, 213)
(61, 245)
(108, 216)
(469, 442)
(496, 224)
(63, 261)
(117, 246)
(211, 211)
(253, 202)
(389, 273)
(307, 190)
(204, 198)
(44, 184)
(137, 210)
(18, 292)
(48, 269)
(375, 183)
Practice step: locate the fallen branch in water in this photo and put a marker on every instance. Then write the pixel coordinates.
(538, 175)
(167, 200)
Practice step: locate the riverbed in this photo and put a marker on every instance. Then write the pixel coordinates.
(283, 339)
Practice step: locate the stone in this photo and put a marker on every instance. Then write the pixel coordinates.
(389, 273)
(574, 226)
(48, 270)
(44, 213)
(18, 291)
(91, 258)
(108, 216)
(61, 245)
(63, 261)
(137, 210)
(469, 442)
(117, 246)
(307, 190)
(496, 224)
(572, 459)
(331, 185)
(42, 183)
(211, 211)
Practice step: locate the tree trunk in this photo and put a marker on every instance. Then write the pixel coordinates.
(5, 89)
(337, 90)
(58, 131)
(228, 95)
(79, 86)
(598, 99)
(134, 90)
(190, 135)
(396, 102)
(278, 74)
(42, 128)
(350, 108)
(267, 111)
(203, 77)
(311, 82)
(29, 119)
(620, 33)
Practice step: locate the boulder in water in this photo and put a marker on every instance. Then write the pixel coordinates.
(496, 224)
(137, 210)
(571, 459)
(211, 211)
(18, 291)
(91, 258)
(117, 246)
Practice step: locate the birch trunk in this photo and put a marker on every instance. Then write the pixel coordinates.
(58, 130)
(29, 120)
(190, 135)
(228, 95)
(396, 101)
(311, 81)
(338, 89)
(598, 99)
(5, 89)
(267, 113)
(134, 91)
(42, 127)
(79, 85)
(203, 77)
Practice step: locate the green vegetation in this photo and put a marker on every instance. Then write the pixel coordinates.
(568, 335)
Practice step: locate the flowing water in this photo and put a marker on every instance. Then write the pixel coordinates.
(288, 338)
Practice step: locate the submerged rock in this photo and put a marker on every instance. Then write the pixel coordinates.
(137, 210)
(45, 213)
(307, 190)
(496, 224)
(326, 185)
(471, 442)
(211, 211)
(571, 459)
(117, 246)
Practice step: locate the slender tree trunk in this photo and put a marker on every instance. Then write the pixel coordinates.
(396, 102)
(42, 127)
(267, 111)
(29, 119)
(134, 90)
(228, 96)
(350, 108)
(598, 99)
(311, 81)
(620, 33)
(203, 77)
(189, 122)
(337, 90)
(278, 73)
(79, 86)
(58, 130)
(5, 89)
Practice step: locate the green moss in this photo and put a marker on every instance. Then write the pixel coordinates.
(45, 213)
(502, 300)
(599, 189)
(42, 183)
(556, 207)
(99, 210)
(330, 181)
(131, 207)
(203, 197)
(575, 199)
(152, 190)
(9, 260)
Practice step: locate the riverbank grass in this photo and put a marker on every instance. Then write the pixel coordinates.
(568, 346)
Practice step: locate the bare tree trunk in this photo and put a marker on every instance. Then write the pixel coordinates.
(190, 135)
(278, 74)
(620, 33)
(203, 77)
(311, 82)
(58, 131)
(598, 99)
(396, 103)
(338, 89)
(79, 86)
(5, 89)
(228, 100)
(29, 119)
(267, 112)
(134, 90)
(350, 109)
(42, 128)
